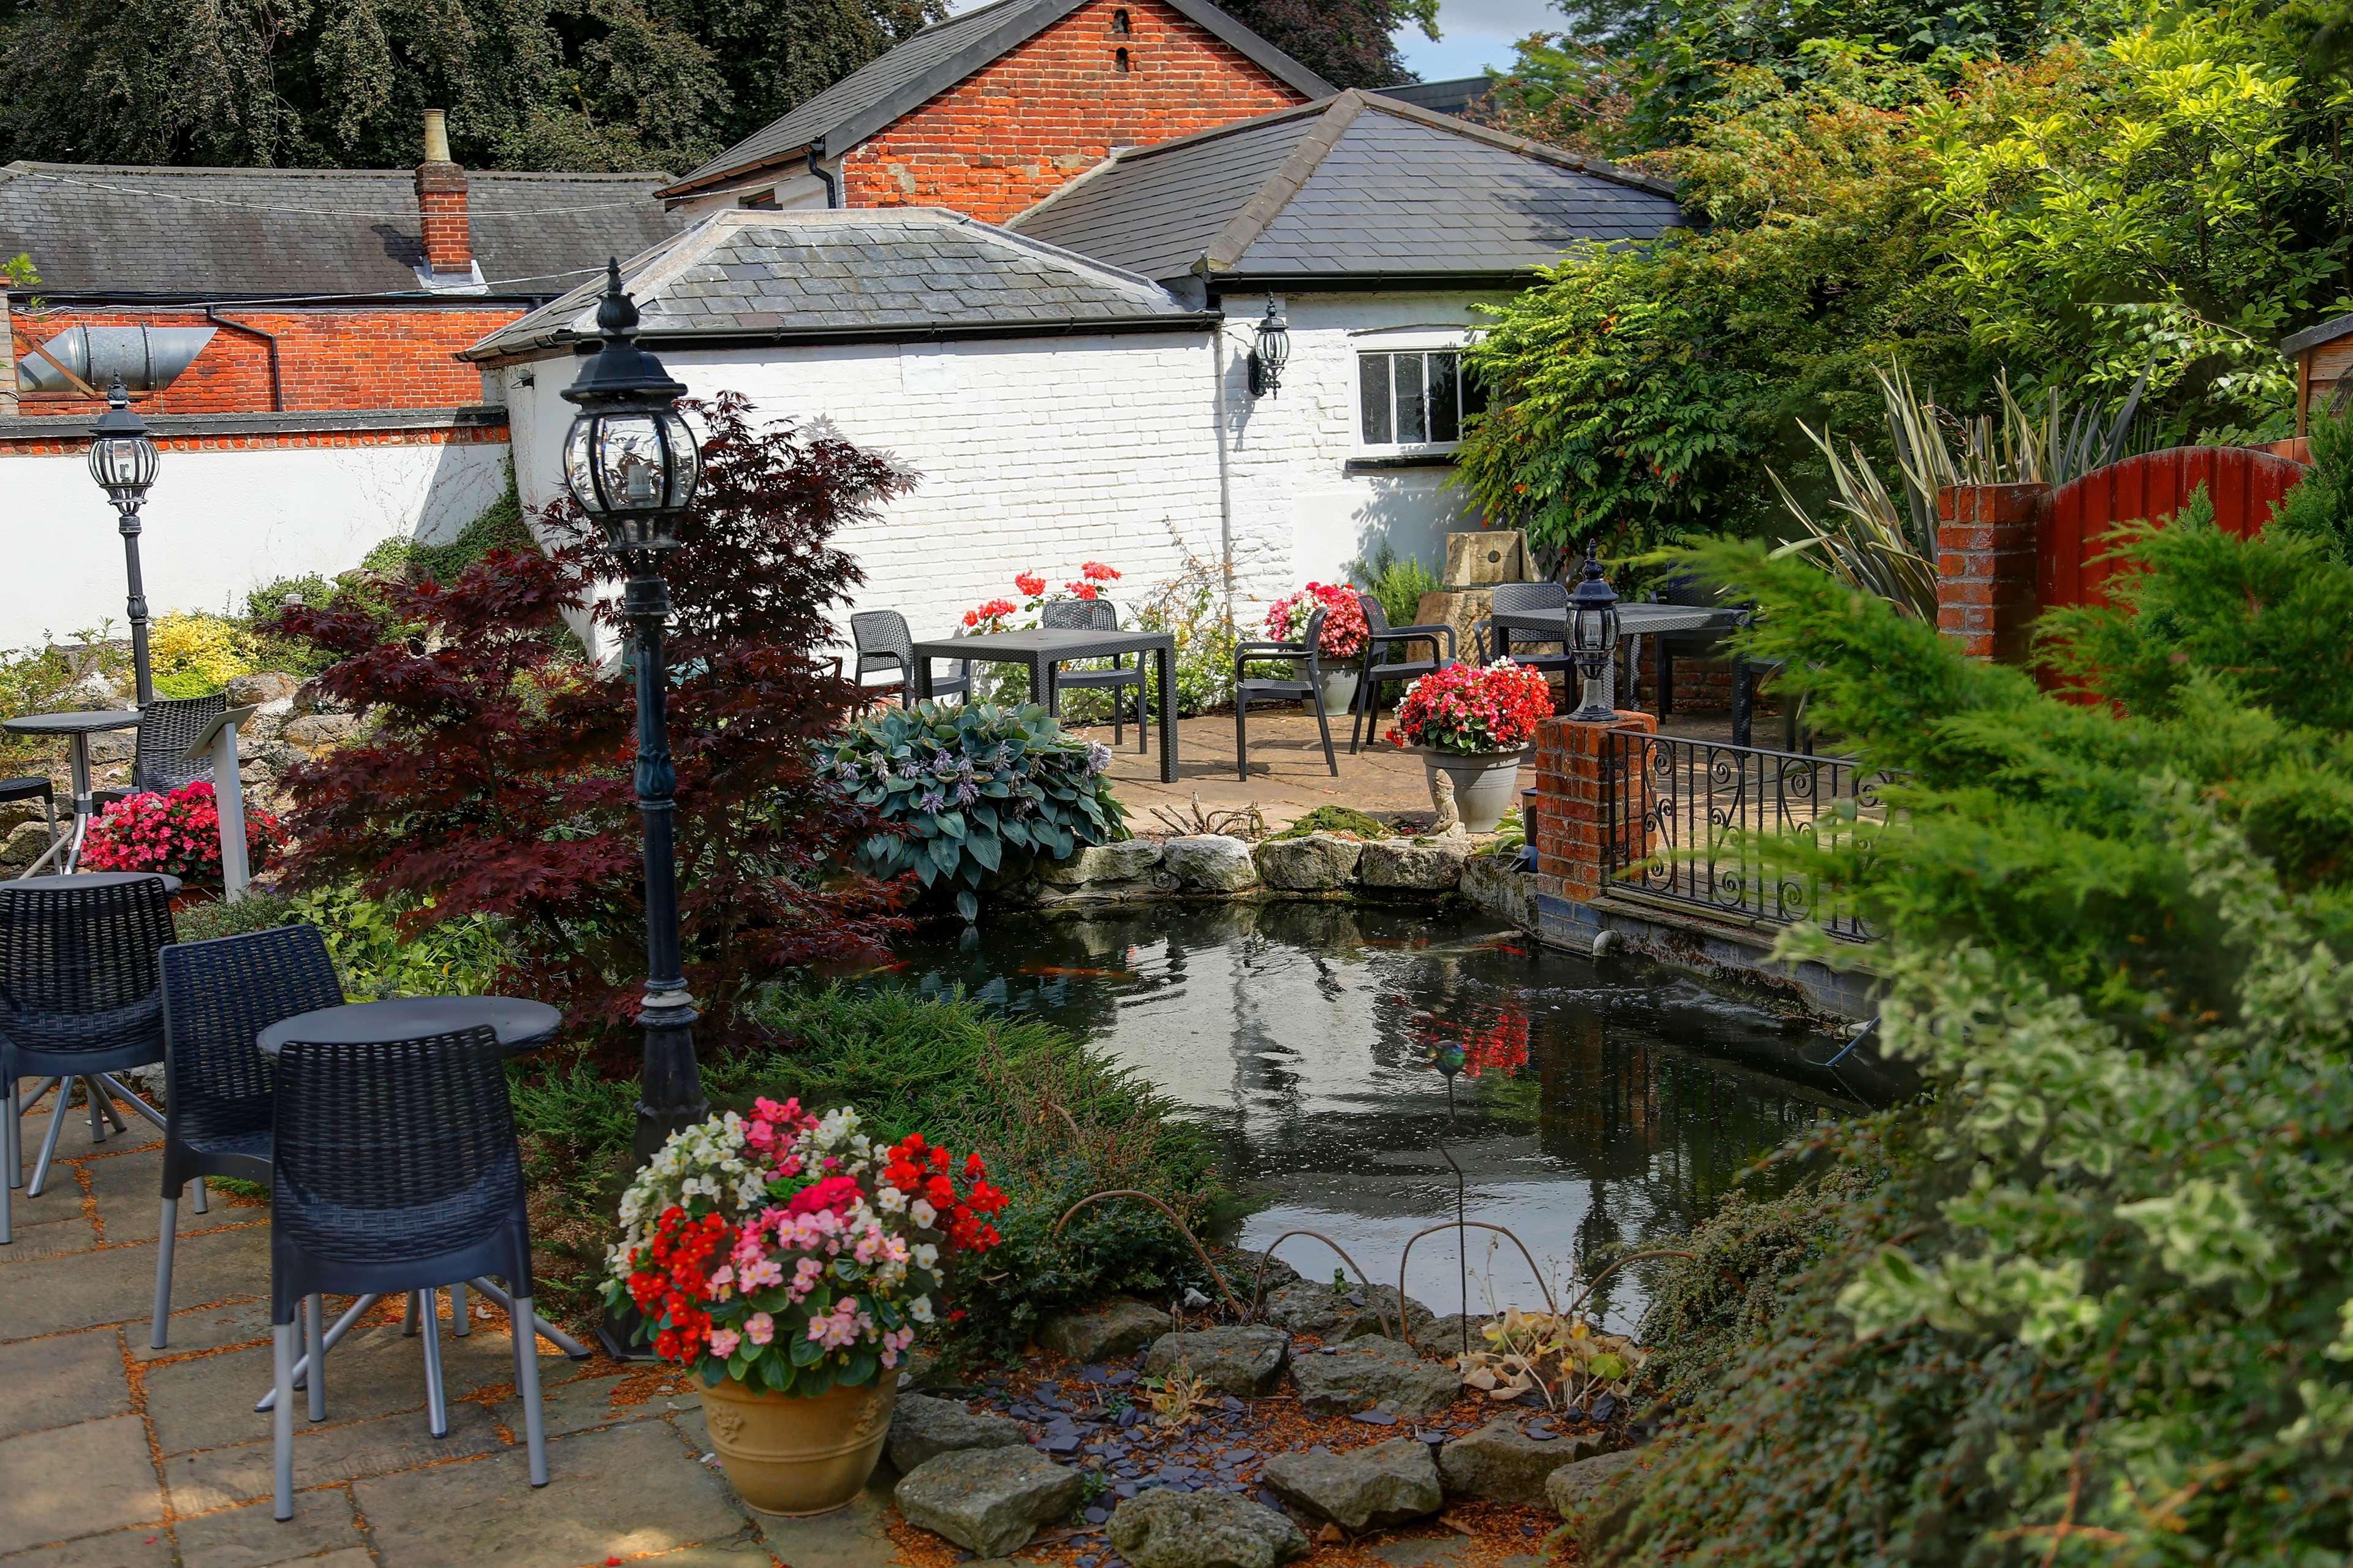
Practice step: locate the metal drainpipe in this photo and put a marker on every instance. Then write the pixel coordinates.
(277, 387)
(831, 182)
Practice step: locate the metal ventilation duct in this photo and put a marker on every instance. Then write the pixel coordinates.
(148, 359)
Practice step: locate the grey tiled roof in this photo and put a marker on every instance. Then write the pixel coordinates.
(1356, 185)
(1443, 97)
(899, 271)
(269, 232)
(936, 60)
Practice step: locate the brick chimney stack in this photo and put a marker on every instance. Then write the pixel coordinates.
(441, 202)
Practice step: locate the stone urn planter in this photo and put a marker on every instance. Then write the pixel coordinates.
(1340, 690)
(791, 1455)
(1486, 783)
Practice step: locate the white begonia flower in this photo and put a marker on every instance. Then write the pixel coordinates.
(892, 1200)
(920, 1309)
(922, 1213)
(925, 1255)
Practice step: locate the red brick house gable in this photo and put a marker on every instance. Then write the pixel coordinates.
(990, 111)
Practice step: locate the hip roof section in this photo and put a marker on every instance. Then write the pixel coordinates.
(1359, 186)
(277, 234)
(892, 273)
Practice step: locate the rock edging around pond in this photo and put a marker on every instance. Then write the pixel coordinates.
(1215, 866)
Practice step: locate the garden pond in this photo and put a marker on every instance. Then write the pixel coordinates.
(1594, 1104)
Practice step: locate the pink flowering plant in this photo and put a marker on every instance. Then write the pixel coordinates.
(177, 834)
(1343, 619)
(1474, 711)
(792, 1252)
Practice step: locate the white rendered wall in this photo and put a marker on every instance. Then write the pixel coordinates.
(1298, 513)
(1031, 454)
(220, 523)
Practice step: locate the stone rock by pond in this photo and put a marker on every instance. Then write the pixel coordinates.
(921, 1427)
(1244, 1361)
(1210, 862)
(1311, 1307)
(1365, 1489)
(1129, 860)
(1429, 866)
(1572, 1488)
(1503, 1464)
(1444, 1337)
(987, 1499)
(267, 686)
(1170, 1529)
(1366, 1372)
(1117, 1327)
(1318, 862)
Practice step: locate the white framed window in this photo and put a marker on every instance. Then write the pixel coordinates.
(1412, 399)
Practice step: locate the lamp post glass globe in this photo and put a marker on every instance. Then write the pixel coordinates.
(629, 459)
(122, 460)
(1271, 353)
(1593, 639)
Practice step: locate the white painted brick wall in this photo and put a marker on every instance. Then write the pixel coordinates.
(1033, 454)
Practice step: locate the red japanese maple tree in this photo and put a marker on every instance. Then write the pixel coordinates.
(491, 774)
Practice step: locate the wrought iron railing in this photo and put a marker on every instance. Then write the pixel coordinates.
(1686, 821)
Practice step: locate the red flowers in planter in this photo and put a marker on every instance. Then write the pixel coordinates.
(1471, 710)
(1343, 619)
(177, 834)
(997, 615)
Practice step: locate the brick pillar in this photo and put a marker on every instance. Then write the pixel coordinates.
(1986, 595)
(1582, 787)
(441, 203)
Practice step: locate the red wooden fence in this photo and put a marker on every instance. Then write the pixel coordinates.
(2074, 519)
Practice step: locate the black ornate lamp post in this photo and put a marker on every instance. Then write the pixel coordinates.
(632, 464)
(1593, 639)
(122, 460)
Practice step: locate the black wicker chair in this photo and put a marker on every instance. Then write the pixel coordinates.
(885, 645)
(218, 996)
(1513, 597)
(1098, 615)
(33, 787)
(1379, 667)
(79, 1001)
(396, 1170)
(1267, 689)
(159, 760)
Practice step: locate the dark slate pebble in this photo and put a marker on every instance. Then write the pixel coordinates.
(1095, 1374)
(1574, 1413)
(1532, 1399)
(1327, 1349)
(1098, 1515)
(1540, 1431)
(1604, 1407)
(1356, 1298)
(1059, 1442)
(1374, 1417)
(1129, 1417)
(1527, 1529)
(1120, 1378)
(1127, 1489)
(1231, 1404)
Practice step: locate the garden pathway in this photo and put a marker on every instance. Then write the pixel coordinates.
(114, 1456)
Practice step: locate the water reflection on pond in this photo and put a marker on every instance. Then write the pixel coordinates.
(1585, 1112)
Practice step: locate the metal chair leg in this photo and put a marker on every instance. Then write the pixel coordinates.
(281, 1417)
(9, 1150)
(461, 1324)
(526, 1354)
(1325, 725)
(114, 1086)
(314, 1333)
(409, 1318)
(436, 1409)
(201, 1205)
(166, 1233)
(97, 1098)
(1241, 738)
(49, 1143)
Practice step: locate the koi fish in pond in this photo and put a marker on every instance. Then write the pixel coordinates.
(1063, 972)
(1395, 941)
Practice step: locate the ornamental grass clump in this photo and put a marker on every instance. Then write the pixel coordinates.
(977, 793)
(791, 1251)
(177, 834)
(1474, 711)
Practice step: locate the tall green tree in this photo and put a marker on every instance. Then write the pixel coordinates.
(1349, 43)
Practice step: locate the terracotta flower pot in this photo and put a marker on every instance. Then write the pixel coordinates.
(1486, 783)
(787, 1453)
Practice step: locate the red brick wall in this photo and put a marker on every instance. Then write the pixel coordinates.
(356, 357)
(1574, 762)
(1985, 567)
(1008, 136)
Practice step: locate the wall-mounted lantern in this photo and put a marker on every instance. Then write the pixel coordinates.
(1272, 352)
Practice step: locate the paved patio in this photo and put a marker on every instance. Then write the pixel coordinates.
(114, 1456)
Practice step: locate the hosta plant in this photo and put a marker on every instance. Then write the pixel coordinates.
(791, 1251)
(978, 792)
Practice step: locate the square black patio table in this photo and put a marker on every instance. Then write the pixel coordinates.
(1039, 651)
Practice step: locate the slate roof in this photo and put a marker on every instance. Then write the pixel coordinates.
(2312, 337)
(224, 234)
(936, 60)
(1355, 186)
(1451, 97)
(895, 273)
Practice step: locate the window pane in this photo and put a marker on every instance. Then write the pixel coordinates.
(1373, 371)
(1412, 418)
(1445, 424)
(1474, 397)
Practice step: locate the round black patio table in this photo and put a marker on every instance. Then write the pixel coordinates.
(76, 728)
(521, 1024)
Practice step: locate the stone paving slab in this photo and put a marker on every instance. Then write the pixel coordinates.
(249, 1537)
(144, 1547)
(60, 1381)
(76, 1480)
(328, 1456)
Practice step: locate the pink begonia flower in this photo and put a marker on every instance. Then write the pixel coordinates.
(763, 1274)
(760, 1327)
(723, 1343)
(723, 1283)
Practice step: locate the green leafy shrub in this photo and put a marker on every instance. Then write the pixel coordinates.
(2090, 1301)
(981, 793)
(1054, 1120)
(1397, 583)
(1192, 606)
(378, 950)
